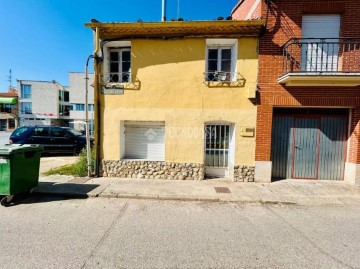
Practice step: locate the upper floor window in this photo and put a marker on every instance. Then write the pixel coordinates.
(120, 62)
(221, 57)
(117, 62)
(64, 96)
(219, 64)
(64, 110)
(320, 46)
(25, 91)
(79, 107)
(26, 107)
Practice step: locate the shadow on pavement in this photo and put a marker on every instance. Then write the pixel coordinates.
(35, 198)
(70, 189)
(51, 191)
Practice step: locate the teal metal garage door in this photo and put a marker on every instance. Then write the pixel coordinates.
(312, 147)
(305, 148)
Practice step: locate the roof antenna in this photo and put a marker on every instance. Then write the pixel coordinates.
(10, 78)
(163, 11)
(178, 9)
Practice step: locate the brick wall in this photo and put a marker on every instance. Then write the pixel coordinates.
(354, 149)
(285, 20)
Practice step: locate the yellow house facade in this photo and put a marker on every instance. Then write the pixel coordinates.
(176, 100)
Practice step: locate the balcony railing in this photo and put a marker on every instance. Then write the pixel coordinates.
(220, 76)
(118, 77)
(329, 56)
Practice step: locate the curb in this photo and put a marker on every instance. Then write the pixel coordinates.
(161, 197)
(155, 197)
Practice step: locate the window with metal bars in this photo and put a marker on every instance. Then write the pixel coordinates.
(217, 141)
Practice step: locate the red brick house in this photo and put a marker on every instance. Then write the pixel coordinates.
(308, 89)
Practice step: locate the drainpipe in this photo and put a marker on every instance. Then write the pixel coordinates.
(88, 153)
(87, 129)
(97, 104)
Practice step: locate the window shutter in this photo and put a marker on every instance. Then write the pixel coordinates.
(145, 142)
(318, 56)
(321, 26)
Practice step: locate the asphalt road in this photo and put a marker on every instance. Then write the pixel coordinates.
(4, 137)
(51, 232)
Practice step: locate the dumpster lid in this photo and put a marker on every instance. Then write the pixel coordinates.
(16, 148)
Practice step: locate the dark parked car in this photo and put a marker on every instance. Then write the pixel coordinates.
(55, 139)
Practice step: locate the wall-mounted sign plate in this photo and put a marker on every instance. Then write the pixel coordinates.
(247, 131)
(112, 91)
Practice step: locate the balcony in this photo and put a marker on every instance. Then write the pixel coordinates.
(222, 78)
(121, 80)
(321, 62)
(118, 77)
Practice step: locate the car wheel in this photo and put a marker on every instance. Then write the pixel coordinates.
(6, 201)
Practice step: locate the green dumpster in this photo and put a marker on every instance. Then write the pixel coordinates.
(19, 169)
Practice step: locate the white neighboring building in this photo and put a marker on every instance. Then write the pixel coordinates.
(77, 100)
(49, 103)
(43, 103)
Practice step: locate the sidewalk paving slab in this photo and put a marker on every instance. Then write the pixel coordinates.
(300, 192)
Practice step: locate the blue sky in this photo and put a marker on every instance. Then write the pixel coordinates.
(47, 39)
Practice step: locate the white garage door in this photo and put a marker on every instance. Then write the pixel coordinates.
(145, 140)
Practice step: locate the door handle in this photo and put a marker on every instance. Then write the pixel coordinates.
(297, 147)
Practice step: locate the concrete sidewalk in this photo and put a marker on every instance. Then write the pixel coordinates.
(302, 192)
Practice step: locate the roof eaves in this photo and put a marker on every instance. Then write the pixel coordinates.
(183, 28)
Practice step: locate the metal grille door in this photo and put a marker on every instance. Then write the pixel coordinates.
(217, 145)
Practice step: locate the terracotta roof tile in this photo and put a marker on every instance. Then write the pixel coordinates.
(8, 94)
